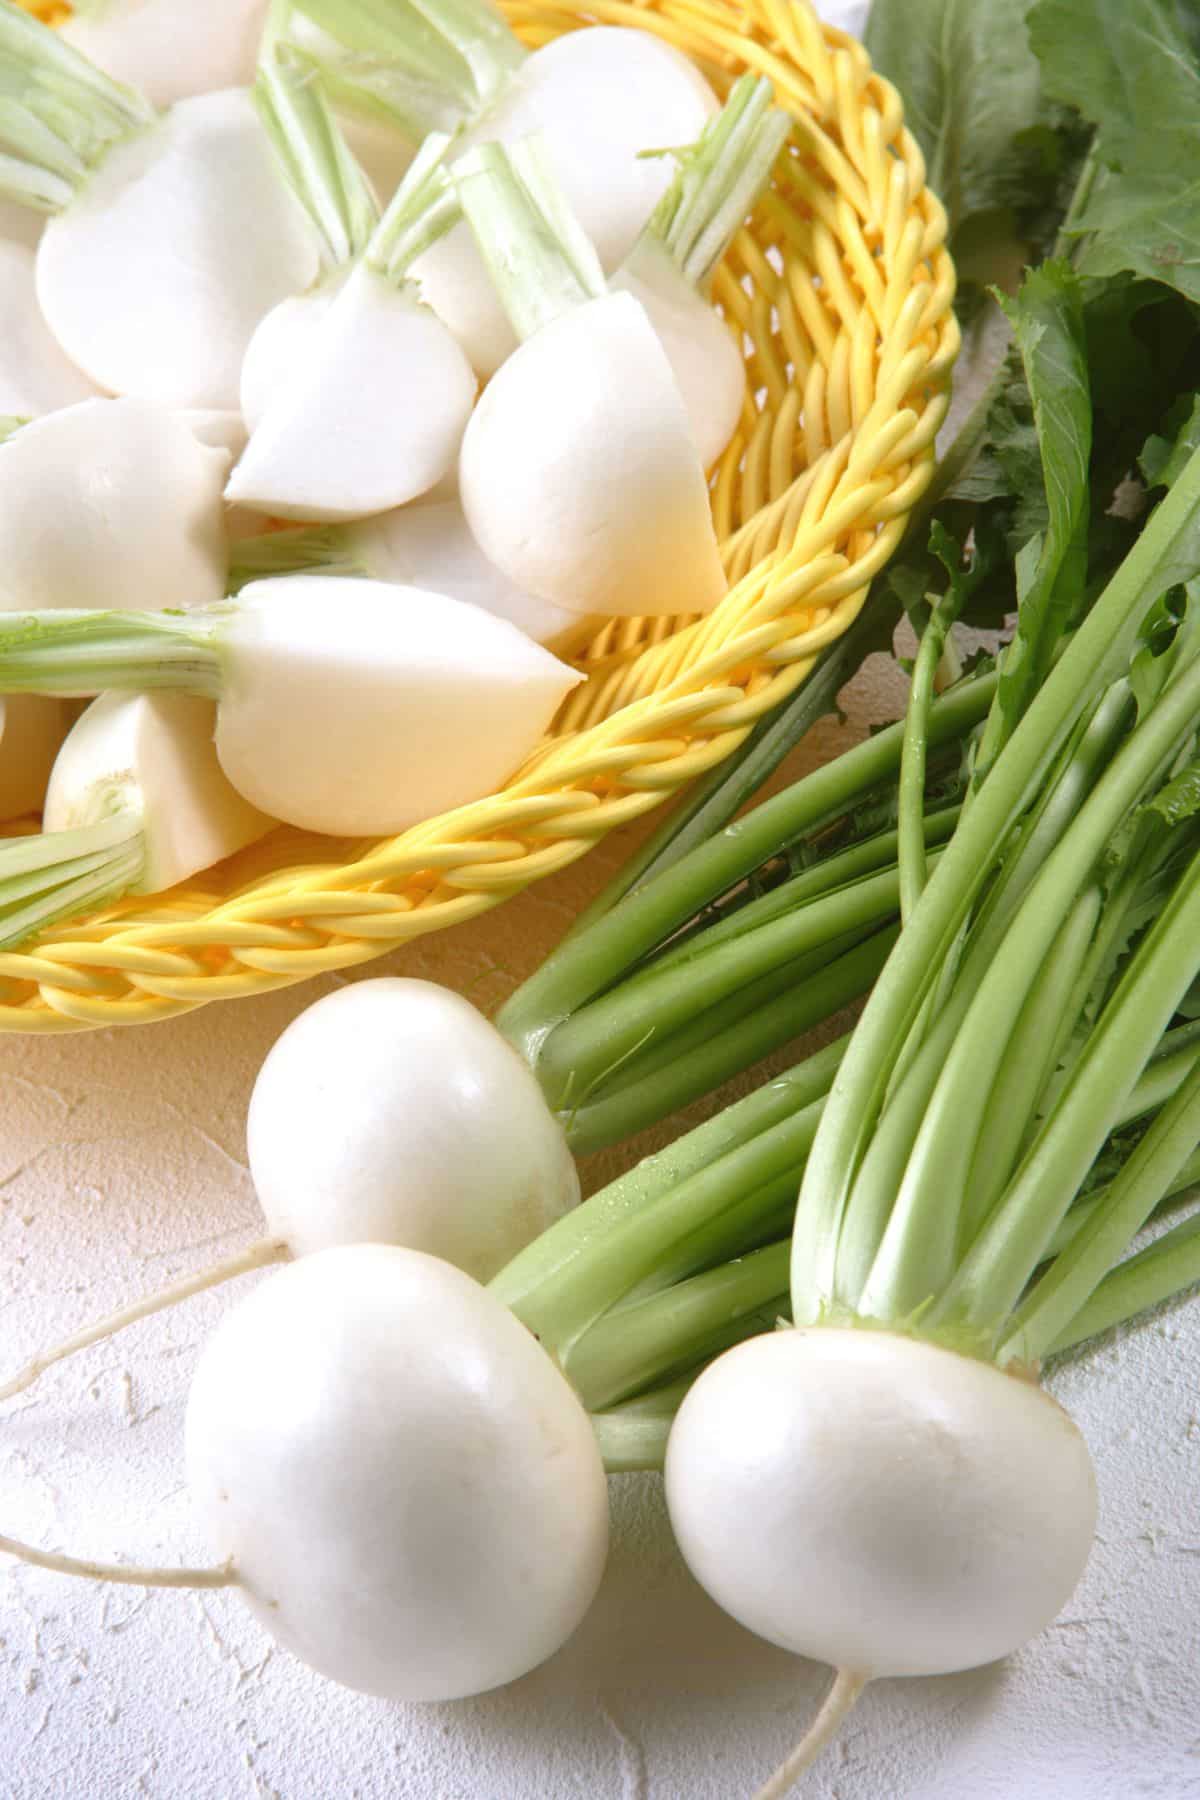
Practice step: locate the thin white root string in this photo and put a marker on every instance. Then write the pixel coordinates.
(839, 1703)
(130, 1574)
(257, 1257)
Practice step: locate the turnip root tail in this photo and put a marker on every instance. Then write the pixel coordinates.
(258, 1256)
(838, 1704)
(131, 1574)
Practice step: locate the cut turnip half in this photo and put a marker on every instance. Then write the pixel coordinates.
(172, 234)
(31, 731)
(372, 411)
(136, 802)
(579, 473)
(169, 49)
(112, 502)
(35, 376)
(344, 705)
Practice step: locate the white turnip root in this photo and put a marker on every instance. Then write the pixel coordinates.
(579, 474)
(35, 376)
(879, 1503)
(371, 407)
(170, 49)
(410, 1493)
(111, 503)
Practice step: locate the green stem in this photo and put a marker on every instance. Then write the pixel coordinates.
(1073, 1277)
(424, 65)
(327, 548)
(1013, 1242)
(81, 653)
(599, 1253)
(1168, 551)
(1169, 1266)
(658, 1001)
(647, 1340)
(588, 963)
(316, 161)
(910, 849)
(1086, 1208)
(718, 797)
(59, 116)
(422, 210)
(1029, 1064)
(770, 1024)
(56, 875)
(920, 1246)
(633, 1437)
(718, 180)
(540, 261)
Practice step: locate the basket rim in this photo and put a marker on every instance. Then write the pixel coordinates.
(647, 723)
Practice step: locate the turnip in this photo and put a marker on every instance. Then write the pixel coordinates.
(426, 545)
(389, 1112)
(111, 503)
(31, 731)
(670, 267)
(169, 49)
(35, 376)
(173, 234)
(602, 97)
(367, 409)
(339, 707)
(402, 1485)
(135, 803)
(580, 476)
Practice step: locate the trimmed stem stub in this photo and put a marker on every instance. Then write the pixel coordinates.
(59, 115)
(539, 258)
(81, 653)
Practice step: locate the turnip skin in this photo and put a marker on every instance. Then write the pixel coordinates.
(111, 503)
(410, 1492)
(579, 474)
(35, 376)
(392, 1112)
(171, 49)
(353, 707)
(878, 1502)
(154, 279)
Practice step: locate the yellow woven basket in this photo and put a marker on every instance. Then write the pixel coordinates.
(840, 290)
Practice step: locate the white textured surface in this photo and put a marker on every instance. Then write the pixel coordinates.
(122, 1166)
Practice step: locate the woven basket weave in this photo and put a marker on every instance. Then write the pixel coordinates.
(841, 291)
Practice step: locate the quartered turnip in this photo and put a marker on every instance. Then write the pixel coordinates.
(580, 476)
(35, 376)
(366, 407)
(111, 503)
(135, 803)
(172, 233)
(343, 705)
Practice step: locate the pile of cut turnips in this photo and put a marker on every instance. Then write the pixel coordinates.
(316, 475)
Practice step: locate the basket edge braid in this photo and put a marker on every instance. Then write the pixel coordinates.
(666, 703)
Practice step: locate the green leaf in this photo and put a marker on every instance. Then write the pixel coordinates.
(1047, 322)
(973, 100)
(1129, 66)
